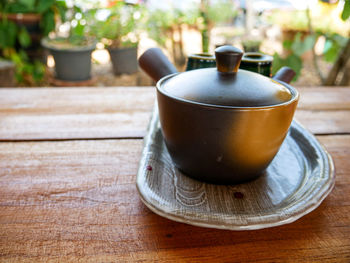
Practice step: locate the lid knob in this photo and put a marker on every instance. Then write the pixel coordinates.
(228, 59)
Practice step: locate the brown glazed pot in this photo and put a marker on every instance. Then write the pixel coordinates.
(223, 125)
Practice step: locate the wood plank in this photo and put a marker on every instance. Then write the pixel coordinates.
(324, 98)
(74, 113)
(85, 113)
(76, 201)
(324, 122)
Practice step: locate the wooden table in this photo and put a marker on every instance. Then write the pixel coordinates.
(68, 161)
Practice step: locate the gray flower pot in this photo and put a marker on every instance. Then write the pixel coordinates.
(124, 60)
(71, 64)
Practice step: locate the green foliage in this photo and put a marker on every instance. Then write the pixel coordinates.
(20, 6)
(324, 19)
(161, 22)
(211, 14)
(290, 20)
(60, 8)
(28, 73)
(73, 41)
(8, 33)
(334, 43)
(47, 22)
(14, 37)
(251, 45)
(23, 37)
(292, 61)
(120, 27)
(221, 11)
(297, 48)
(78, 31)
(346, 10)
(46, 8)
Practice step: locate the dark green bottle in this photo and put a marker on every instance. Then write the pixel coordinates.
(252, 61)
(197, 61)
(257, 62)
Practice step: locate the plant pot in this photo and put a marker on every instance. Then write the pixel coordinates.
(71, 63)
(124, 60)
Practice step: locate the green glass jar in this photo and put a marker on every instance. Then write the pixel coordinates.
(252, 61)
(257, 62)
(197, 61)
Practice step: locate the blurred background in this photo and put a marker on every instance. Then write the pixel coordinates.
(106, 37)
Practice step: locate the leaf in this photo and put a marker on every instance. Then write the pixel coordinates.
(330, 52)
(38, 71)
(292, 61)
(346, 10)
(23, 55)
(29, 4)
(297, 44)
(341, 40)
(24, 38)
(278, 62)
(299, 47)
(18, 8)
(48, 22)
(309, 43)
(77, 9)
(78, 30)
(62, 9)
(295, 63)
(8, 32)
(287, 44)
(44, 5)
(327, 45)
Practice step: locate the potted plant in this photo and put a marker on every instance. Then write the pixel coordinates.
(166, 27)
(22, 25)
(72, 53)
(72, 57)
(251, 45)
(119, 34)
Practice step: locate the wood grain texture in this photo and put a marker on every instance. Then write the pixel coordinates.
(324, 98)
(74, 113)
(76, 201)
(85, 113)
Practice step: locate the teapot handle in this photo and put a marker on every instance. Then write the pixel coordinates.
(284, 74)
(156, 64)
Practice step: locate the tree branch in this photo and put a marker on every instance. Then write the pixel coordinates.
(314, 57)
(338, 65)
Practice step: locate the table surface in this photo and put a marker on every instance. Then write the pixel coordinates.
(68, 163)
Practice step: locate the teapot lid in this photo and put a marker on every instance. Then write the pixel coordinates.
(226, 85)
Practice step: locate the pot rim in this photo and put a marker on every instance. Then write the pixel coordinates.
(295, 97)
(45, 42)
(256, 57)
(202, 56)
(22, 17)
